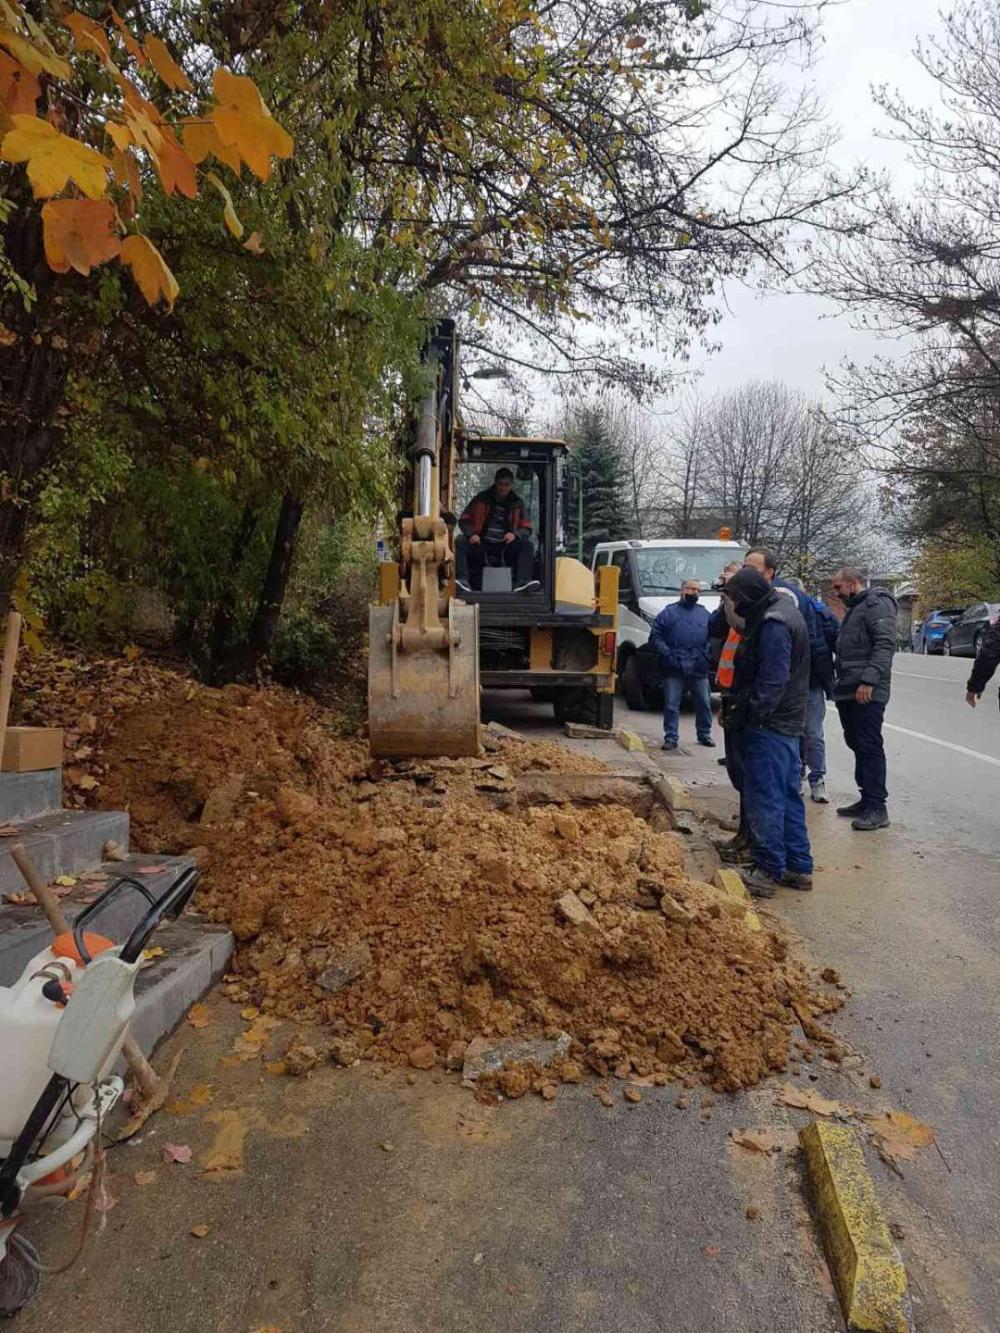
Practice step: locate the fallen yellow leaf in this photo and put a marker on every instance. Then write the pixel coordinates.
(198, 1096)
(199, 1016)
(200, 1231)
(807, 1100)
(144, 1177)
(899, 1134)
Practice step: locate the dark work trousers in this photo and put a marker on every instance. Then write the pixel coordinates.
(469, 559)
(776, 817)
(862, 725)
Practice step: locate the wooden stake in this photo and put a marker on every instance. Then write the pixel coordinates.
(10, 644)
(45, 897)
(152, 1087)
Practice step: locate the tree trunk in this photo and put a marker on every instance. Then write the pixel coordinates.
(33, 368)
(244, 660)
(221, 635)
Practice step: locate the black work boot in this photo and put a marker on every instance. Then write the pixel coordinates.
(876, 816)
(759, 883)
(797, 879)
(735, 851)
(849, 811)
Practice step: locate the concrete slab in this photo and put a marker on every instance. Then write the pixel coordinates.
(63, 843)
(30, 795)
(197, 954)
(24, 930)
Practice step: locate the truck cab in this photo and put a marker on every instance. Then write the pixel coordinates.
(650, 574)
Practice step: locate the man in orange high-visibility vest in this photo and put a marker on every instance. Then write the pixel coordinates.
(724, 632)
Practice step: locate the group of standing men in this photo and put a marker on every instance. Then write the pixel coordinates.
(781, 654)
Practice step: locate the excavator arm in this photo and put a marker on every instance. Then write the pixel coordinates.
(423, 659)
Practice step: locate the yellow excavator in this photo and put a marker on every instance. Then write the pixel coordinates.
(432, 646)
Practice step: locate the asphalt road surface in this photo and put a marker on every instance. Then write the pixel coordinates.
(370, 1205)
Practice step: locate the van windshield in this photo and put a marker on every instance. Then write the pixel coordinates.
(662, 569)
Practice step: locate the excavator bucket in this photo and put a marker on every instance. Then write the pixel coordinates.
(423, 697)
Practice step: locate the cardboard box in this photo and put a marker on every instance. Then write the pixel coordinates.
(27, 749)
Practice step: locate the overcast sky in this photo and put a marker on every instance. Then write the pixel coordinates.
(792, 337)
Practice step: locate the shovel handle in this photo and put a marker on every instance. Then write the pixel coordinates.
(44, 897)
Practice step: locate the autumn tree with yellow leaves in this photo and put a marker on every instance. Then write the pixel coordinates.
(95, 121)
(572, 180)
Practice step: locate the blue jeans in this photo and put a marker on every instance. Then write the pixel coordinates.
(673, 689)
(772, 802)
(813, 744)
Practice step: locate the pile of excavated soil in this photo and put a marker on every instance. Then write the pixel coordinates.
(411, 908)
(401, 907)
(89, 698)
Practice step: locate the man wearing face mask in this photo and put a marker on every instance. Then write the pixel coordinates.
(680, 639)
(768, 702)
(865, 650)
(822, 627)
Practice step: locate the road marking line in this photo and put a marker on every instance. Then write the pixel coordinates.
(921, 675)
(948, 745)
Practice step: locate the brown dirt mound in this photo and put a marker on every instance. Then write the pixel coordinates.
(401, 908)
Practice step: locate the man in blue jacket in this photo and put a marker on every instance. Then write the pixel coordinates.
(822, 627)
(768, 701)
(680, 639)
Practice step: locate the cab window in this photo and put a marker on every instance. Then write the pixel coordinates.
(625, 589)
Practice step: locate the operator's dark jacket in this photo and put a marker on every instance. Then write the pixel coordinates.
(771, 677)
(987, 661)
(866, 645)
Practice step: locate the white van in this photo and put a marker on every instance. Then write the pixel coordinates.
(650, 574)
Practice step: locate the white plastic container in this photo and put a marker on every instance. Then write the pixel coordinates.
(28, 1022)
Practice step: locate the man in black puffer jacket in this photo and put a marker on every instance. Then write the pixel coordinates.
(865, 649)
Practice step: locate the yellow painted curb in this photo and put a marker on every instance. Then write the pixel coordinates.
(867, 1270)
(731, 883)
(673, 793)
(630, 740)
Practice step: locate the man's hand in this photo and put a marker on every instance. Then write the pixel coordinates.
(473, 540)
(508, 537)
(971, 699)
(863, 694)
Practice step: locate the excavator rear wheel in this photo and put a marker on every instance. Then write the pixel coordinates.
(587, 706)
